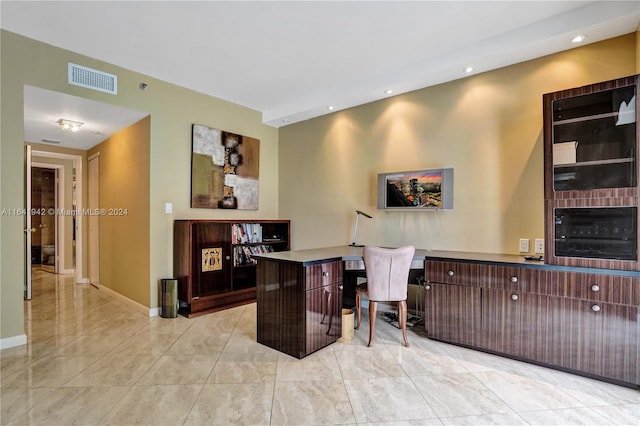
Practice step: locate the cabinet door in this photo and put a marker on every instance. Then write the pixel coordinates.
(621, 351)
(519, 323)
(590, 140)
(323, 316)
(452, 313)
(211, 260)
(599, 338)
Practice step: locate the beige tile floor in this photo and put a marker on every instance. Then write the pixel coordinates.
(90, 360)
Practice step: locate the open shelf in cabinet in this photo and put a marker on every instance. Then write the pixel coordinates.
(594, 140)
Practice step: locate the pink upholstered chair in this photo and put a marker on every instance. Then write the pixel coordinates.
(387, 279)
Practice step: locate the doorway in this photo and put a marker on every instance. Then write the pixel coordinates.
(67, 253)
(44, 239)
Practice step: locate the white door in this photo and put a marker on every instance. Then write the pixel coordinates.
(94, 229)
(28, 229)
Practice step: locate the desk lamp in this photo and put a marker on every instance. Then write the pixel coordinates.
(355, 228)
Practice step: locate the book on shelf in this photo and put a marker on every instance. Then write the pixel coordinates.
(243, 255)
(246, 233)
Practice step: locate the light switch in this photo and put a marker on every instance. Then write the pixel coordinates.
(168, 208)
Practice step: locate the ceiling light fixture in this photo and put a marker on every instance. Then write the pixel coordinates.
(388, 91)
(467, 69)
(331, 107)
(579, 38)
(74, 126)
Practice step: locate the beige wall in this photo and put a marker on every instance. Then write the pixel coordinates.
(488, 127)
(124, 196)
(172, 109)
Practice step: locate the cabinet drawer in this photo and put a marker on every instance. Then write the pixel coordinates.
(601, 288)
(448, 272)
(515, 279)
(323, 274)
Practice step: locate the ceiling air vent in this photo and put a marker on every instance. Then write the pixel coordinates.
(93, 79)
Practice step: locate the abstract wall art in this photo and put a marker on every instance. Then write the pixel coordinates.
(224, 169)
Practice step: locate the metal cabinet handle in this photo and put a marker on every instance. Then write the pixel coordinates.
(450, 273)
(595, 308)
(340, 287)
(325, 274)
(514, 297)
(514, 279)
(227, 257)
(427, 287)
(595, 287)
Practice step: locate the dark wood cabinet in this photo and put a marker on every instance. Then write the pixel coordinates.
(299, 306)
(453, 313)
(519, 324)
(452, 302)
(323, 300)
(591, 175)
(214, 267)
(579, 320)
(599, 326)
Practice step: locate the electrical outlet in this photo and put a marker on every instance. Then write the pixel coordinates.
(539, 246)
(524, 245)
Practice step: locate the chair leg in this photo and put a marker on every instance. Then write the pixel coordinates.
(358, 301)
(372, 319)
(402, 319)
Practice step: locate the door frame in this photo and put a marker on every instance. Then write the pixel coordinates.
(28, 229)
(93, 222)
(80, 272)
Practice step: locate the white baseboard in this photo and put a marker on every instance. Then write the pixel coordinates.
(153, 312)
(13, 341)
(84, 280)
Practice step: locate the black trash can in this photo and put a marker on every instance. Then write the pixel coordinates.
(169, 297)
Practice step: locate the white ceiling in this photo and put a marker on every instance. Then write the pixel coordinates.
(290, 60)
(43, 108)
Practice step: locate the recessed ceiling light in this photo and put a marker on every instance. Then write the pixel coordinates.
(579, 38)
(388, 91)
(330, 107)
(467, 69)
